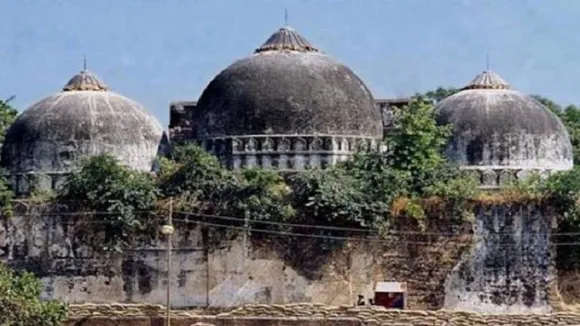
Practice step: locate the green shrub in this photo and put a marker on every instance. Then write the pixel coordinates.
(121, 198)
(20, 304)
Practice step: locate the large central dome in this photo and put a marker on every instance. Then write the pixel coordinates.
(286, 87)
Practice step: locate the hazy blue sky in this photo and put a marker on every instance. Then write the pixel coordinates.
(156, 51)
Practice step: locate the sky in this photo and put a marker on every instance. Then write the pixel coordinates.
(158, 51)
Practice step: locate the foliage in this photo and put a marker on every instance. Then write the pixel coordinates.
(534, 187)
(204, 187)
(263, 195)
(6, 195)
(449, 182)
(439, 94)
(199, 179)
(376, 176)
(571, 119)
(416, 145)
(20, 304)
(416, 142)
(369, 190)
(551, 105)
(8, 115)
(167, 167)
(563, 190)
(336, 197)
(118, 196)
(364, 190)
(570, 116)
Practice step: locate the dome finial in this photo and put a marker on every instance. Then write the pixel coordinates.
(487, 80)
(85, 81)
(285, 17)
(286, 39)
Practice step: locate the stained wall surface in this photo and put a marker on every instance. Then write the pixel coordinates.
(277, 270)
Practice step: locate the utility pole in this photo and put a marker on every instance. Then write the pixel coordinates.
(167, 230)
(246, 234)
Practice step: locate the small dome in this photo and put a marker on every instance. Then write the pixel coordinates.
(287, 87)
(497, 127)
(84, 119)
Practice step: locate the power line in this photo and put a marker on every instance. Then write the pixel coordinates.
(312, 226)
(346, 229)
(294, 225)
(356, 239)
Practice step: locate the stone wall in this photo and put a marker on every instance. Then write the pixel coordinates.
(207, 271)
(510, 267)
(305, 315)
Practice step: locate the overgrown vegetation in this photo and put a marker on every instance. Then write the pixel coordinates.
(121, 200)
(124, 205)
(570, 116)
(410, 181)
(20, 304)
(7, 117)
(372, 190)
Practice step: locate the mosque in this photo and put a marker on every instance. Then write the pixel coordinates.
(287, 106)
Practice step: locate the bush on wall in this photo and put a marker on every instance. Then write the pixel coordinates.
(371, 190)
(357, 193)
(120, 198)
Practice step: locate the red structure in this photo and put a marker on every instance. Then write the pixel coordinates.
(391, 295)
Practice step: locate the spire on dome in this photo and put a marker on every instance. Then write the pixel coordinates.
(487, 80)
(286, 39)
(85, 81)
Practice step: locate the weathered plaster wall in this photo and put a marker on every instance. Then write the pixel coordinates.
(279, 269)
(510, 267)
(271, 270)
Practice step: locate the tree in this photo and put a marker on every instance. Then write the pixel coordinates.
(439, 94)
(6, 195)
(20, 303)
(416, 142)
(337, 197)
(199, 179)
(413, 166)
(204, 186)
(570, 116)
(571, 119)
(8, 115)
(551, 105)
(263, 195)
(118, 196)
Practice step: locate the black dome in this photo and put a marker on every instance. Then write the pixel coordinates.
(496, 126)
(287, 87)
